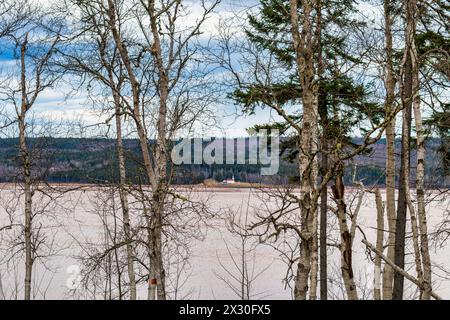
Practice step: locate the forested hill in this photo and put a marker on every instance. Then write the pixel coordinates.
(73, 160)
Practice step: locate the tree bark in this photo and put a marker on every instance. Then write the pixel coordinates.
(26, 171)
(124, 199)
(420, 174)
(135, 88)
(157, 173)
(388, 274)
(406, 92)
(323, 204)
(156, 267)
(323, 233)
(415, 237)
(346, 237)
(303, 46)
(319, 239)
(400, 228)
(161, 155)
(379, 245)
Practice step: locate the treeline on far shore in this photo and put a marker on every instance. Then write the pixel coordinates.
(92, 161)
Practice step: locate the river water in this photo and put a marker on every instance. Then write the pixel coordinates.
(72, 226)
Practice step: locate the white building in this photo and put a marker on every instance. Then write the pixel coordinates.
(229, 181)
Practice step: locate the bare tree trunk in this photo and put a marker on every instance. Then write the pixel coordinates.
(156, 267)
(26, 171)
(313, 210)
(346, 237)
(116, 250)
(322, 106)
(400, 230)
(420, 175)
(415, 236)
(406, 91)
(115, 90)
(28, 212)
(380, 233)
(314, 151)
(304, 266)
(388, 274)
(135, 88)
(124, 199)
(107, 291)
(303, 47)
(161, 154)
(157, 175)
(323, 216)
(411, 27)
(2, 293)
(323, 233)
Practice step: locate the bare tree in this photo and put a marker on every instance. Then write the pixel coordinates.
(348, 231)
(169, 67)
(103, 262)
(377, 292)
(420, 167)
(241, 278)
(390, 147)
(168, 86)
(15, 15)
(406, 95)
(34, 77)
(103, 65)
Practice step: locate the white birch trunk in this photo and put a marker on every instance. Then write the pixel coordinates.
(420, 176)
(379, 245)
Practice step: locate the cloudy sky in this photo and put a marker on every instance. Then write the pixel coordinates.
(61, 103)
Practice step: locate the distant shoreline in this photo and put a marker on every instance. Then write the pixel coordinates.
(197, 187)
(237, 185)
